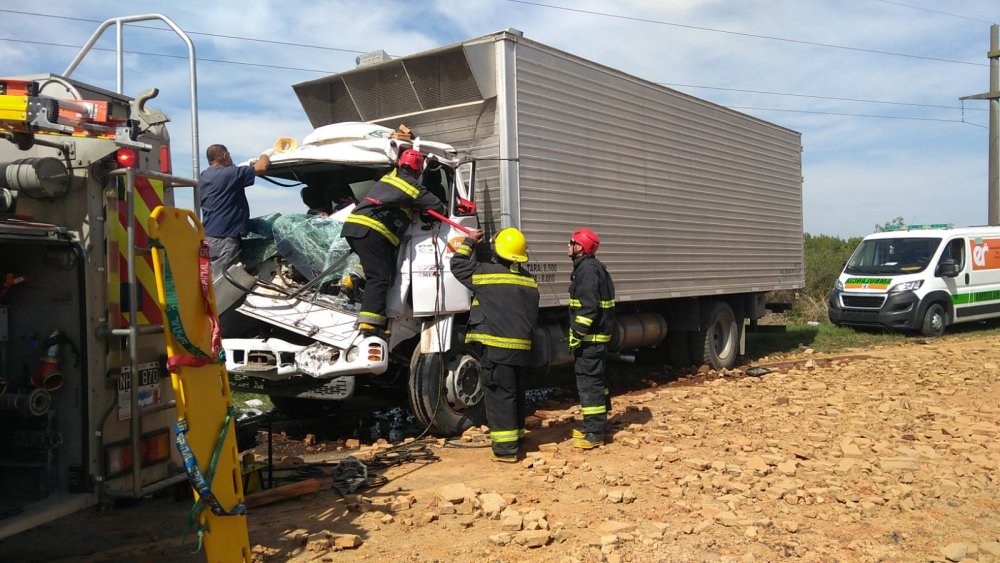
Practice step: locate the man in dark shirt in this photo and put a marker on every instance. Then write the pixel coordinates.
(225, 212)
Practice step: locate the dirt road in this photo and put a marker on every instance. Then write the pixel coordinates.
(888, 454)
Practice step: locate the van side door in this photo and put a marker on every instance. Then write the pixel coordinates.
(979, 298)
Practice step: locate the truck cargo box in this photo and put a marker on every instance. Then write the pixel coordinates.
(690, 198)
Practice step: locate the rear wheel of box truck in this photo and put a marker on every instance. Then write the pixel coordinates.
(445, 390)
(717, 343)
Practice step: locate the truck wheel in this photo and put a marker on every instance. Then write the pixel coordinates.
(717, 343)
(677, 349)
(935, 319)
(447, 396)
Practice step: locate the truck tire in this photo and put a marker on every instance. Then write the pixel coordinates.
(678, 353)
(717, 343)
(447, 396)
(935, 319)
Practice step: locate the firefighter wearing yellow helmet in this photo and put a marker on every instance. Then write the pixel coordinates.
(503, 318)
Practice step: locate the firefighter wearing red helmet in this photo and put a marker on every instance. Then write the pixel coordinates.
(591, 317)
(374, 228)
(502, 319)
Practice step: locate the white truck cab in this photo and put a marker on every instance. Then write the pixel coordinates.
(920, 278)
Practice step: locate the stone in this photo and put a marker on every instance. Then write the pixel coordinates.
(533, 538)
(492, 505)
(955, 551)
(346, 541)
(455, 493)
(501, 539)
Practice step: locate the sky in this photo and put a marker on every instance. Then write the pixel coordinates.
(872, 85)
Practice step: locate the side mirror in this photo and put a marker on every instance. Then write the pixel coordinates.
(948, 268)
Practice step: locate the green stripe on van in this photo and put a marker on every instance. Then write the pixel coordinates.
(870, 281)
(977, 297)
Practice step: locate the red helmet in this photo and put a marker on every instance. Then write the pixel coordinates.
(412, 159)
(587, 239)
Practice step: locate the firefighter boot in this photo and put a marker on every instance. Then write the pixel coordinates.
(583, 441)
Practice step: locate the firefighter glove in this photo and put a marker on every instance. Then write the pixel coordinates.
(574, 342)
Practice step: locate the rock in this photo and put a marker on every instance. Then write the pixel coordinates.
(512, 523)
(352, 443)
(501, 539)
(492, 505)
(898, 464)
(455, 493)
(955, 551)
(533, 538)
(346, 541)
(991, 548)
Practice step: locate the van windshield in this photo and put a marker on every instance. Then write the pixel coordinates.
(892, 256)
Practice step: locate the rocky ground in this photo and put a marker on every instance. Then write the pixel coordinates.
(887, 454)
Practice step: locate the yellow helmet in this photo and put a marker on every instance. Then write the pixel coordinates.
(510, 245)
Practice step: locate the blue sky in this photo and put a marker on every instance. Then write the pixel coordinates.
(872, 85)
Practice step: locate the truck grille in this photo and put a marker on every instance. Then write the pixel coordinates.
(849, 301)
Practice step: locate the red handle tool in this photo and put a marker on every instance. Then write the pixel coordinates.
(440, 217)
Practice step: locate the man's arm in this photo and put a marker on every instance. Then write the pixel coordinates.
(462, 264)
(261, 164)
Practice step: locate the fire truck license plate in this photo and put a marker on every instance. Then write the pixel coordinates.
(149, 374)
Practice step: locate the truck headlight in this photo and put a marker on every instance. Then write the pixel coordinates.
(906, 286)
(838, 285)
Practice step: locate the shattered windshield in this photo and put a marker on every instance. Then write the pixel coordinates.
(892, 256)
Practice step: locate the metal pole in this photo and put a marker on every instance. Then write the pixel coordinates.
(135, 421)
(994, 167)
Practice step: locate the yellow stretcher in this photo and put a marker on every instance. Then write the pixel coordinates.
(206, 428)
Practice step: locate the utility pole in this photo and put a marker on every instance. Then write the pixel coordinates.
(993, 201)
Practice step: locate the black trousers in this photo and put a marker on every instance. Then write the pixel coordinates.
(504, 393)
(378, 260)
(591, 383)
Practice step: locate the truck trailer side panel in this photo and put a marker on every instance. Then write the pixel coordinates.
(689, 198)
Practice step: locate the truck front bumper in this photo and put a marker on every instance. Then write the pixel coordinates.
(899, 311)
(276, 360)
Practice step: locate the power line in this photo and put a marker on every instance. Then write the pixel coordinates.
(743, 34)
(934, 11)
(320, 71)
(164, 55)
(217, 35)
(834, 98)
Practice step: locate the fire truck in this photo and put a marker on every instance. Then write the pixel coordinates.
(86, 407)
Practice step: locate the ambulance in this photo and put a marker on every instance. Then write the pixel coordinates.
(920, 278)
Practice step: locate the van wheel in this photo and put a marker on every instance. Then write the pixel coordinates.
(447, 396)
(935, 319)
(717, 343)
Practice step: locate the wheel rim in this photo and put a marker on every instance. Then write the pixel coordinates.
(462, 382)
(722, 339)
(937, 321)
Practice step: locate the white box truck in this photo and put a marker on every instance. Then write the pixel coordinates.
(699, 210)
(920, 278)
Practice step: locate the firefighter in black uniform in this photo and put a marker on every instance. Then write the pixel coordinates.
(591, 317)
(373, 230)
(503, 317)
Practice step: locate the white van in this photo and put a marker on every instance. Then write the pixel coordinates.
(920, 277)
